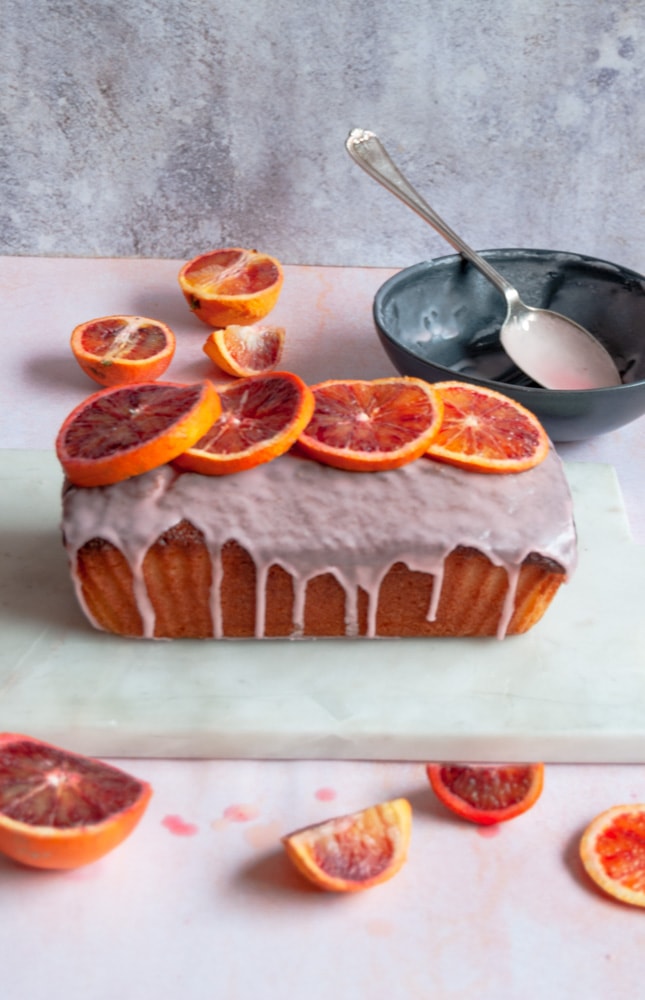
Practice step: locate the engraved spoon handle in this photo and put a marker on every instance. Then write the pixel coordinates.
(368, 151)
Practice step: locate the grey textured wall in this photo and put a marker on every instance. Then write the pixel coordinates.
(161, 129)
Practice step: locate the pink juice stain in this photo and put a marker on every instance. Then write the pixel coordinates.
(489, 831)
(264, 836)
(240, 813)
(325, 794)
(178, 826)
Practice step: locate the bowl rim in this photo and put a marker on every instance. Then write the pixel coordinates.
(535, 391)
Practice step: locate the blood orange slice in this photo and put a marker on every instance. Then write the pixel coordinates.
(353, 852)
(119, 350)
(60, 809)
(612, 850)
(246, 350)
(368, 426)
(485, 793)
(231, 286)
(486, 431)
(121, 432)
(262, 417)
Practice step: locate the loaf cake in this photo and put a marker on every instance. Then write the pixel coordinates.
(295, 548)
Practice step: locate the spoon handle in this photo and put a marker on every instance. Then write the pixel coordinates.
(368, 151)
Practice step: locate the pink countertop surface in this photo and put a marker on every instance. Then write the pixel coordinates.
(201, 901)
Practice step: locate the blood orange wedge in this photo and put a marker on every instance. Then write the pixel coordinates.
(121, 432)
(486, 431)
(231, 286)
(485, 793)
(262, 417)
(612, 849)
(368, 426)
(60, 809)
(246, 350)
(119, 350)
(353, 852)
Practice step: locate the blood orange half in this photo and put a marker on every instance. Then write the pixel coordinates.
(612, 850)
(262, 417)
(60, 809)
(231, 286)
(353, 852)
(119, 350)
(486, 431)
(486, 793)
(369, 426)
(121, 432)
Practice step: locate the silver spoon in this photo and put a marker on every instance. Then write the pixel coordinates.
(553, 350)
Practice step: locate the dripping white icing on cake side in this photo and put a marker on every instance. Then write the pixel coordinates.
(312, 519)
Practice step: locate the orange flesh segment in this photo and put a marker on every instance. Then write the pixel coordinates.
(48, 787)
(232, 273)
(150, 415)
(622, 851)
(250, 417)
(131, 339)
(354, 854)
(487, 794)
(366, 418)
(122, 350)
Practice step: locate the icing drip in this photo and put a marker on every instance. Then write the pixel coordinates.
(311, 519)
(436, 593)
(300, 590)
(261, 575)
(216, 583)
(513, 574)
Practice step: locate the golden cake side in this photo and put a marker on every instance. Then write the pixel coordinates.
(297, 549)
(178, 580)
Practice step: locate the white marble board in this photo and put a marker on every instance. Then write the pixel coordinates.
(573, 689)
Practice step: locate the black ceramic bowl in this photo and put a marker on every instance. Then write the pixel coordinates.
(440, 320)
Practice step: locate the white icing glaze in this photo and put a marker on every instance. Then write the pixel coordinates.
(312, 519)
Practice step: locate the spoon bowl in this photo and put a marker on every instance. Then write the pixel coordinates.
(555, 351)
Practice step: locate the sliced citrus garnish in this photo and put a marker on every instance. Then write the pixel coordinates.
(60, 809)
(120, 432)
(612, 850)
(245, 350)
(231, 286)
(485, 431)
(356, 851)
(368, 426)
(119, 350)
(262, 417)
(486, 793)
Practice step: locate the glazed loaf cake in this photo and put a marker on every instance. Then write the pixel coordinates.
(294, 548)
